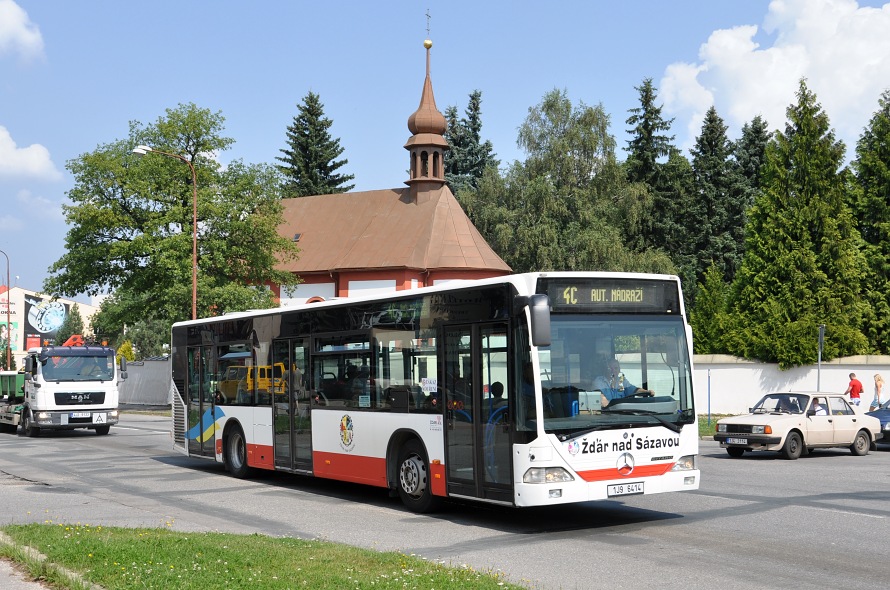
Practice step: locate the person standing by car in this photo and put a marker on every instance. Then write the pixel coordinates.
(854, 389)
(879, 386)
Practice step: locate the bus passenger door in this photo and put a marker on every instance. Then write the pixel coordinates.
(478, 434)
(201, 374)
(290, 410)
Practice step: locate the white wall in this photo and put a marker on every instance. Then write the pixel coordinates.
(728, 385)
(303, 292)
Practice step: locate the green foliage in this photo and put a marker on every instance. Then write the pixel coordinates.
(309, 163)
(126, 350)
(649, 144)
(871, 207)
(566, 207)
(709, 319)
(131, 225)
(802, 265)
(73, 324)
(468, 156)
(710, 235)
(149, 337)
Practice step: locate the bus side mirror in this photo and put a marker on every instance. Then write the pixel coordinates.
(29, 365)
(539, 314)
(123, 364)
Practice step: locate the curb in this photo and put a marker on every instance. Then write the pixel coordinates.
(32, 554)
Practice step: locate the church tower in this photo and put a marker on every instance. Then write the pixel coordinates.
(427, 144)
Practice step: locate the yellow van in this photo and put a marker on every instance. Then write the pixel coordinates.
(241, 379)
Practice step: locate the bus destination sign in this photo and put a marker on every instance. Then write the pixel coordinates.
(609, 295)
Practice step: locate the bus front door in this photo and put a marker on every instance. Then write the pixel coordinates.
(201, 425)
(478, 434)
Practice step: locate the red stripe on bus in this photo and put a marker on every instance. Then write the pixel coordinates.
(613, 473)
(354, 468)
(260, 456)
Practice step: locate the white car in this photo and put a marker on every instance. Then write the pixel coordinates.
(796, 423)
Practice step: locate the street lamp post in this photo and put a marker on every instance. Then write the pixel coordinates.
(8, 327)
(141, 150)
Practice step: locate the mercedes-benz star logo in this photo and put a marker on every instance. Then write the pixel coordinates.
(625, 464)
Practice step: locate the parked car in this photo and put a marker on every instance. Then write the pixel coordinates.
(794, 423)
(883, 414)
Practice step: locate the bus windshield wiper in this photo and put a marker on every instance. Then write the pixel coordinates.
(666, 423)
(583, 431)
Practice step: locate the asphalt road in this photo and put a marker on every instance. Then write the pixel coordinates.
(756, 522)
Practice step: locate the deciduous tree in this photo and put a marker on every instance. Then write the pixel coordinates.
(131, 225)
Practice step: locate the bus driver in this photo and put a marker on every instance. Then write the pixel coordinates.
(612, 383)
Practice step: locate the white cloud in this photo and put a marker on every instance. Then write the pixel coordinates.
(842, 49)
(31, 162)
(47, 208)
(18, 34)
(10, 223)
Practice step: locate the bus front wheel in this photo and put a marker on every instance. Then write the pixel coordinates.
(414, 478)
(236, 454)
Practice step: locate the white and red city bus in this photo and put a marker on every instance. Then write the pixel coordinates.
(495, 390)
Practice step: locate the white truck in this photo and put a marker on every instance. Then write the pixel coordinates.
(67, 386)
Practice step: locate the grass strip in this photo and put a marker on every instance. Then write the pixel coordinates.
(122, 558)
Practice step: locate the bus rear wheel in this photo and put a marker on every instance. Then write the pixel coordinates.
(236, 454)
(414, 479)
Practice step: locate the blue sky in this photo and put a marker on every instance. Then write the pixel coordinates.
(74, 74)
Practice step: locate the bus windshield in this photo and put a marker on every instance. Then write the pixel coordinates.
(603, 372)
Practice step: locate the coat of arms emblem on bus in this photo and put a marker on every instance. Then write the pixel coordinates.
(346, 434)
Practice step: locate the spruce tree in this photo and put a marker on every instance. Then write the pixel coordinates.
(802, 265)
(468, 156)
(309, 162)
(72, 324)
(649, 143)
(710, 217)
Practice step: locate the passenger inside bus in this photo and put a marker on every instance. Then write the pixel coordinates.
(497, 394)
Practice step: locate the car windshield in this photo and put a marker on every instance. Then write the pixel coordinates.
(782, 403)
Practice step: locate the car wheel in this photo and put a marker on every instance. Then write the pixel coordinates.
(414, 479)
(793, 446)
(102, 430)
(236, 454)
(735, 451)
(860, 444)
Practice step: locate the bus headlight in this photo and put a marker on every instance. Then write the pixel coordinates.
(686, 463)
(546, 475)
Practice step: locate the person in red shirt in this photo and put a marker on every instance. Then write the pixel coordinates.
(854, 389)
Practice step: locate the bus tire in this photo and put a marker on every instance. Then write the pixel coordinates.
(105, 429)
(236, 453)
(414, 482)
(28, 428)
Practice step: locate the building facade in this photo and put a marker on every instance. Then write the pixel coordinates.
(33, 318)
(381, 241)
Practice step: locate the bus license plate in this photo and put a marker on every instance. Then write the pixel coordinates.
(80, 415)
(625, 489)
(736, 441)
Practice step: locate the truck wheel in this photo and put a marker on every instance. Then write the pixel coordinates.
(28, 428)
(236, 454)
(104, 429)
(414, 479)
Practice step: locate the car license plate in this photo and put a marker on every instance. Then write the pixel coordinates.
(625, 489)
(736, 441)
(80, 415)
